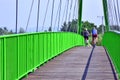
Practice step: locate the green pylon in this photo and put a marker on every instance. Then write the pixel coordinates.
(105, 9)
(80, 2)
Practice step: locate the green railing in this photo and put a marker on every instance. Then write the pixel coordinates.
(111, 41)
(22, 53)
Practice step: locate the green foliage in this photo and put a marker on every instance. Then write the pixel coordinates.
(50, 29)
(73, 26)
(88, 25)
(64, 27)
(21, 30)
(5, 31)
(70, 27)
(99, 43)
(100, 29)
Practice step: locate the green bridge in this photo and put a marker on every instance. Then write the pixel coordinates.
(21, 54)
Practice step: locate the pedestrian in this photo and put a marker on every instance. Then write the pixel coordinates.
(86, 37)
(94, 36)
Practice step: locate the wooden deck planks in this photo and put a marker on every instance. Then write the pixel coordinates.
(99, 68)
(76, 64)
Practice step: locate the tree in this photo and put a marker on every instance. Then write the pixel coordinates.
(21, 30)
(64, 27)
(4, 31)
(50, 29)
(1, 31)
(10, 32)
(73, 26)
(115, 27)
(88, 25)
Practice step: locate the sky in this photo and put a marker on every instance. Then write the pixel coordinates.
(91, 9)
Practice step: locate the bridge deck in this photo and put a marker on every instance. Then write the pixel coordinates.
(76, 64)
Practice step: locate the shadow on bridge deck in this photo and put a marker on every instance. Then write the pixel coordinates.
(78, 63)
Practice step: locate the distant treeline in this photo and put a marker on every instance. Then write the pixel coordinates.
(5, 31)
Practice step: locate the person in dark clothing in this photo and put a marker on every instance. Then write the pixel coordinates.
(86, 36)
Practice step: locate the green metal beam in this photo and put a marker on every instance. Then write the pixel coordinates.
(79, 16)
(105, 9)
(16, 61)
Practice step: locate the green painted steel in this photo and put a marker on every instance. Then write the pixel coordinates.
(105, 9)
(111, 41)
(1, 59)
(22, 53)
(80, 2)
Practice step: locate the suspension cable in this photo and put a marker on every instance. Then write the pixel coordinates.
(45, 15)
(70, 15)
(115, 12)
(65, 7)
(73, 15)
(52, 14)
(38, 15)
(114, 19)
(74, 8)
(56, 16)
(67, 11)
(59, 14)
(70, 10)
(77, 10)
(29, 14)
(16, 16)
(112, 12)
(109, 9)
(118, 13)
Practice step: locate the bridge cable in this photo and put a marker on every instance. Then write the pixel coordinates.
(29, 14)
(38, 15)
(65, 7)
(115, 12)
(45, 15)
(115, 16)
(67, 12)
(70, 15)
(16, 16)
(59, 14)
(52, 14)
(111, 10)
(118, 13)
(74, 8)
(110, 13)
(115, 26)
(69, 26)
(56, 16)
(74, 15)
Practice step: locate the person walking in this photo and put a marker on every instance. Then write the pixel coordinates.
(86, 37)
(94, 36)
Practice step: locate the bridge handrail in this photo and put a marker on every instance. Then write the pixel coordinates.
(111, 41)
(22, 53)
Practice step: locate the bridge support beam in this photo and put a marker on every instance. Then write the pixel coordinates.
(80, 2)
(105, 9)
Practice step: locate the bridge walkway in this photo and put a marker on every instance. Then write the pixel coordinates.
(79, 63)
